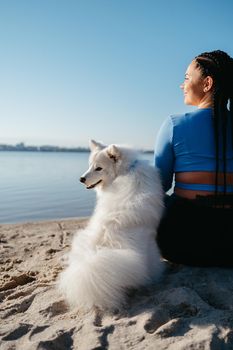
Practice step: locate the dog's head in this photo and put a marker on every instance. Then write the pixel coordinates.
(104, 162)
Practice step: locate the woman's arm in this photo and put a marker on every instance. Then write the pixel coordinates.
(164, 154)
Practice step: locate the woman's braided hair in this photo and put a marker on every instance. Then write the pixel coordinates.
(219, 65)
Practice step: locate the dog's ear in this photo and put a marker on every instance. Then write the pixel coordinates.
(95, 145)
(113, 152)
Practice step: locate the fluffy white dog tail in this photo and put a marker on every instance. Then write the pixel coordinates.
(102, 277)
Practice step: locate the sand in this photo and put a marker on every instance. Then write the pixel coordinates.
(190, 308)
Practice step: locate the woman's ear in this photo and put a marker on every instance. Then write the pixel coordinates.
(208, 83)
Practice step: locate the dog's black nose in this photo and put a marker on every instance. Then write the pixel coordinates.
(82, 179)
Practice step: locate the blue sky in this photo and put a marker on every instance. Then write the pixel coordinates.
(103, 69)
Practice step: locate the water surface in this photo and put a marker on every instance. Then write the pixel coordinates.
(38, 186)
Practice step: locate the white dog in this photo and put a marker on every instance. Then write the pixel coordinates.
(117, 250)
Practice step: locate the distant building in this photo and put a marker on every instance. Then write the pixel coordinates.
(20, 146)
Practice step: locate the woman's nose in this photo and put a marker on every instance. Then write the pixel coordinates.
(182, 86)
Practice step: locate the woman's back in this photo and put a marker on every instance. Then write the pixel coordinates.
(194, 145)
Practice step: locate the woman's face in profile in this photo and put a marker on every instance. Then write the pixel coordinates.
(193, 85)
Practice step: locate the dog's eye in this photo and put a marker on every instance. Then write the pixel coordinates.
(98, 169)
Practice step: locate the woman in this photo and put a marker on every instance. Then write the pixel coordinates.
(194, 152)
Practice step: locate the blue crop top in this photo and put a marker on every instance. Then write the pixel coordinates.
(186, 143)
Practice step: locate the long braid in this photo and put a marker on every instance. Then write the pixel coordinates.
(219, 65)
(224, 142)
(227, 97)
(216, 135)
(231, 99)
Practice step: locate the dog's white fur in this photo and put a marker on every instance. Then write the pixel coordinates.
(117, 250)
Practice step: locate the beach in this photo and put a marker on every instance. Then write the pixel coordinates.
(190, 308)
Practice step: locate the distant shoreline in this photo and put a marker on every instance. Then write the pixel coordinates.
(21, 147)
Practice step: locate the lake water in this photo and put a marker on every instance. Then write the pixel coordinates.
(37, 186)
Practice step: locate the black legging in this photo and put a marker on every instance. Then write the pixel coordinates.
(194, 234)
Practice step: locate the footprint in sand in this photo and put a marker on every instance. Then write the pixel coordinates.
(18, 332)
(19, 280)
(63, 340)
(56, 308)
